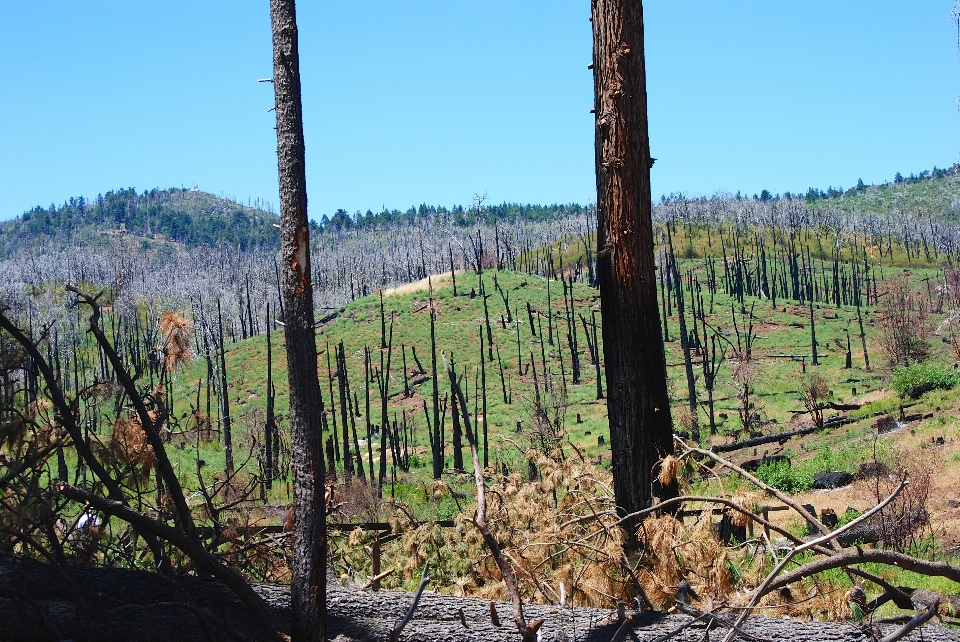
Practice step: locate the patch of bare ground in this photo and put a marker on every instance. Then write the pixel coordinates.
(936, 448)
(416, 286)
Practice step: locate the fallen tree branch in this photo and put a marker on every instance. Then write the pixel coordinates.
(829, 536)
(148, 424)
(528, 632)
(812, 519)
(781, 437)
(204, 560)
(846, 558)
(398, 629)
(918, 620)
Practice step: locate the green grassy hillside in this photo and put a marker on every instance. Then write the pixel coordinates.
(781, 355)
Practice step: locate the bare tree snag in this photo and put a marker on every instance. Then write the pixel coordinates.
(528, 632)
(638, 403)
(308, 584)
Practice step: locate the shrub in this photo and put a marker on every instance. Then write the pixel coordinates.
(919, 374)
(782, 477)
(904, 324)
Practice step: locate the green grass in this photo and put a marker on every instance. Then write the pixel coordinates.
(783, 330)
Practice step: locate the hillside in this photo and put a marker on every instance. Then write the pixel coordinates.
(188, 217)
(770, 309)
(935, 192)
(193, 218)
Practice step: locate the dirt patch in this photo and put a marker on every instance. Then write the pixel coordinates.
(416, 286)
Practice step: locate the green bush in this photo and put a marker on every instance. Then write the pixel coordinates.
(918, 374)
(782, 477)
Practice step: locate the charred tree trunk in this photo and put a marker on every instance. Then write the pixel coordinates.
(638, 403)
(308, 583)
(684, 341)
(270, 427)
(225, 400)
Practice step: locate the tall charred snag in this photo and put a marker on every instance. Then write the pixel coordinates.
(308, 582)
(638, 404)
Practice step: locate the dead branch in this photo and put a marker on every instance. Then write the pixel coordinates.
(782, 438)
(424, 580)
(528, 633)
(622, 631)
(201, 557)
(766, 487)
(918, 620)
(150, 425)
(828, 537)
(861, 556)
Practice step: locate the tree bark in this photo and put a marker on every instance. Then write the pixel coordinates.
(308, 585)
(638, 403)
(127, 605)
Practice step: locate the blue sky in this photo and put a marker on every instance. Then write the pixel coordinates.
(414, 101)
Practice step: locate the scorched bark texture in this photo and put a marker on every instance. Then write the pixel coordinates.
(638, 404)
(308, 586)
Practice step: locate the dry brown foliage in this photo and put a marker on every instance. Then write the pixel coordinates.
(559, 536)
(175, 330)
(129, 442)
(675, 551)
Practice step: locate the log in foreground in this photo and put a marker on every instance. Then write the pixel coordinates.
(127, 605)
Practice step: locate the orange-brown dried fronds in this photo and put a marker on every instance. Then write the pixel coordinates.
(676, 551)
(176, 330)
(669, 470)
(750, 501)
(129, 442)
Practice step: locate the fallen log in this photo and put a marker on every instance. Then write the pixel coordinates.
(781, 437)
(127, 605)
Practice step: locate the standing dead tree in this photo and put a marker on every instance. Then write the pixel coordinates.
(638, 402)
(309, 583)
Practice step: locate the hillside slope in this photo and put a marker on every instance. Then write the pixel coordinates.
(189, 217)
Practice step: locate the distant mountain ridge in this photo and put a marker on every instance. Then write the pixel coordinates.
(186, 216)
(194, 218)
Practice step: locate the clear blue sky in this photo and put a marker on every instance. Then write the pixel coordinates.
(410, 101)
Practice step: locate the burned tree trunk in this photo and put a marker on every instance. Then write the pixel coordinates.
(308, 583)
(638, 403)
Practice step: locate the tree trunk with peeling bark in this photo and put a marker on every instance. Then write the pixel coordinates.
(308, 586)
(638, 403)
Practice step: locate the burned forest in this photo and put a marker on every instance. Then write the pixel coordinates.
(723, 416)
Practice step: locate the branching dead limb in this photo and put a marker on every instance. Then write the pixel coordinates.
(766, 487)
(829, 536)
(201, 557)
(918, 620)
(716, 500)
(528, 632)
(68, 419)
(398, 629)
(150, 425)
(861, 556)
